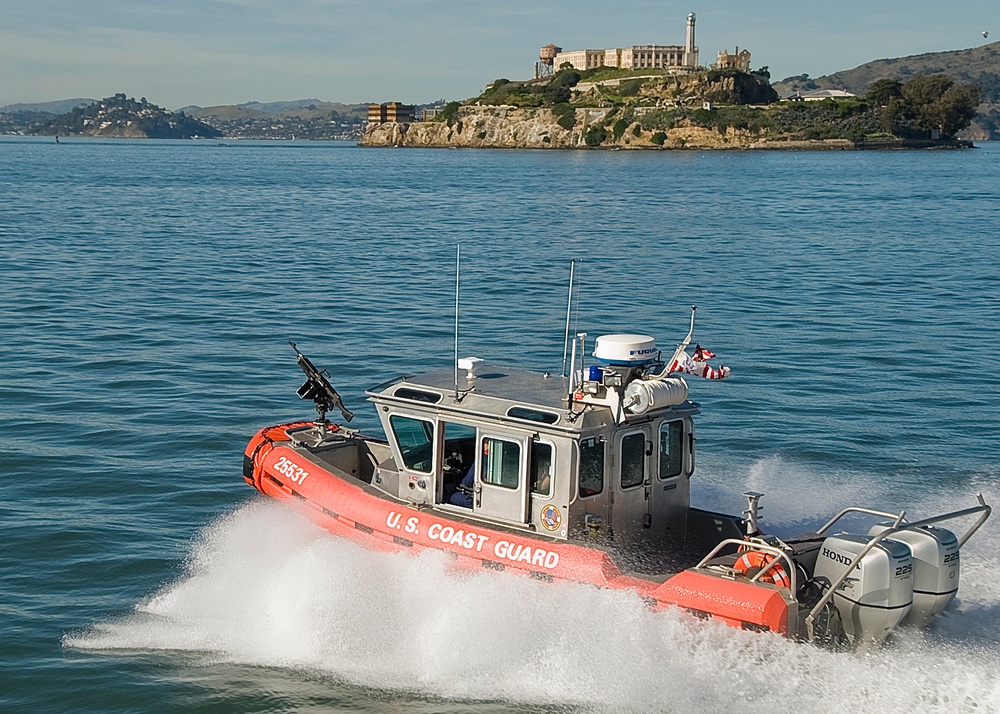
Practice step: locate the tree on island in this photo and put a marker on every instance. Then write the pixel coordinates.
(915, 109)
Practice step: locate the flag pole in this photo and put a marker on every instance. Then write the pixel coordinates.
(687, 341)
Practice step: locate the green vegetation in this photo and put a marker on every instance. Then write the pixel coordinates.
(450, 112)
(978, 66)
(621, 88)
(907, 111)
(602, 74)
(629, 87)
(595, 136)
(936, 102)
(565, 115)
(535, 93)
(619, 128)
(923, 105)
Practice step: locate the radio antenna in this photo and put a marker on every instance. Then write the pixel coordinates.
(458, 266)
(569, 308)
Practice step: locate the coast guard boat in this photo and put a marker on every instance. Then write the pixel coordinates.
(587, 478)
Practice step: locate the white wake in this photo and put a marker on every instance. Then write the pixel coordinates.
(265, 587)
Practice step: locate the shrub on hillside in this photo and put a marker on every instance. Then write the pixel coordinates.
(619, 128)
(565, 116)
(629, 87)
(449, 113)
(596, 135)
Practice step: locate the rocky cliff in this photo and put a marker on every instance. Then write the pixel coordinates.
(513, 128)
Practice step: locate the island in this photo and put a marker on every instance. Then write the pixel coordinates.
(729, 108)
(121, 116)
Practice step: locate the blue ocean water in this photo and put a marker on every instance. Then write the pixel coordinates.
(149, 289)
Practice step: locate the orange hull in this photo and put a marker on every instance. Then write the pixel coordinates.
(359, 513)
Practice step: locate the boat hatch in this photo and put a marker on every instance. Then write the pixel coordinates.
(529, 414)
(418, 395)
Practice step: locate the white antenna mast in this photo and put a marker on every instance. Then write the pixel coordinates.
(458, 266)
(569, 307)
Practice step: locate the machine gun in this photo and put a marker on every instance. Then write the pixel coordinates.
(319, 389)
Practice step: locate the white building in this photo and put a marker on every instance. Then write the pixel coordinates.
(638, 56)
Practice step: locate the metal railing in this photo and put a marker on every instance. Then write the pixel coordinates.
(757, 544)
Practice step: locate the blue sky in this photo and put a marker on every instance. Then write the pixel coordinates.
(205, 52)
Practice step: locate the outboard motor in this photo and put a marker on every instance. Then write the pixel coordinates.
(877, 595)
(935, 569)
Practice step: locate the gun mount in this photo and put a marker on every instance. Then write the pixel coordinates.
(318, 388)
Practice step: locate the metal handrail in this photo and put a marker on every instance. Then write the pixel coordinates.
(858, 509)
(378, 388)
(754, 544)
(896, 528)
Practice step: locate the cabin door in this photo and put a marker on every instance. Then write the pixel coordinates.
(501, 484)
(671, 484)
(631, 485)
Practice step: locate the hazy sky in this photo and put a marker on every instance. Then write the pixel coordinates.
(205, 52)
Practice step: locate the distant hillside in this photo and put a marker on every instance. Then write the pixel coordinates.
(54, 108)
(303, 108)
(23, 118)
(299, 119)
(978, 65)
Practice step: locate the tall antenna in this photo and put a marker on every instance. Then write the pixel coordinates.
(458, 266)
(569, 308)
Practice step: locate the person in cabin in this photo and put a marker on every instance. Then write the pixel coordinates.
(463, 496)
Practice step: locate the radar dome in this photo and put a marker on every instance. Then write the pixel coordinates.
(625, 349)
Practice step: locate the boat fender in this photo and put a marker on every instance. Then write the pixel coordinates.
(754, 561)
(263, 442)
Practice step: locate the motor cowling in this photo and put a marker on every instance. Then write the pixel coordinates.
(935, 569)
(878, 593)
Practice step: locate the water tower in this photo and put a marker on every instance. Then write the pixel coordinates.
(544, 67)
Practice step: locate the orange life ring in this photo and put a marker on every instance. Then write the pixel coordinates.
(755, 561)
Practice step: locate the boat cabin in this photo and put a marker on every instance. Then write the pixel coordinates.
(574, 459)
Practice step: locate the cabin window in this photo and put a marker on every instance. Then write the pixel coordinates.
(501, 463)
(533, 415)
(541, 469)
(459, 447)
(633, 460)
(417, 395)
(671, 449)
(415, 438)
(591, 467)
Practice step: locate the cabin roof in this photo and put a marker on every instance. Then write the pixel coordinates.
(495, 391)
(514, 385)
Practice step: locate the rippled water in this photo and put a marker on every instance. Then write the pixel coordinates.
(150, 288)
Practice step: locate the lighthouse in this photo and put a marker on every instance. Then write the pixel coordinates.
(690, 51)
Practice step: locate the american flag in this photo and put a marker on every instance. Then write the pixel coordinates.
(698, 364)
